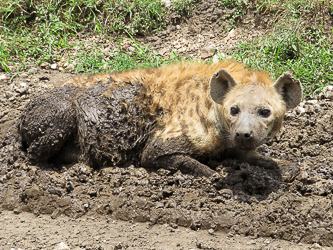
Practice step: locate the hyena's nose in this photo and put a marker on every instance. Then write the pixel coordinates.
(246, 136)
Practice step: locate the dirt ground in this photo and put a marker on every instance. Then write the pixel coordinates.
(27, 231)
(49, 206)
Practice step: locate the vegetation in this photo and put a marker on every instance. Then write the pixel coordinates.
(183, 7)
(118, 60)
(44, 31)
(33, 32)
(65, 16)
(308, 55)
(305, 50)
(236, 9)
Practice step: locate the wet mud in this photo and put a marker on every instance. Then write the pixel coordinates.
(70, 124)
(242, 199)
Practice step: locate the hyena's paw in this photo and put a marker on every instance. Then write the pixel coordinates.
(288, 170)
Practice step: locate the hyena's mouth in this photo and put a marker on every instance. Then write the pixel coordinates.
(246, 144)
(246, 148)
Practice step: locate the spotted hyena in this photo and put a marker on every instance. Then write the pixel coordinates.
(175, 117)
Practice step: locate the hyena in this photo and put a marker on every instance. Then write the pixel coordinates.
(175, 117)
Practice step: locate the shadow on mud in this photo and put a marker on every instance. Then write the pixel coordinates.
(246, 180)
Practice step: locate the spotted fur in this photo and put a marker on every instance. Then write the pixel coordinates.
(189, 105)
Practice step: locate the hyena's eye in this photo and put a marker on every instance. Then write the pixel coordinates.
(265, 112)
(234, 111)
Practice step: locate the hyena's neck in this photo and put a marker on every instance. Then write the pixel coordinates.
(203, 127)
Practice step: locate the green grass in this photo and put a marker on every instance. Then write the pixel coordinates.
(63, 16)
(277, 10)
(304, 50)
(119, 60)
(3, 57)
(236, 9)
(294, 7)
(33, 32)
(183, 7)
(308, 55)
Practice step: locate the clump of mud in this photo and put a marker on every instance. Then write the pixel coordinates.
(241, 199)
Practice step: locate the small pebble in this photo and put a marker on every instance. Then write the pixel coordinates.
(312, 101)
(45, 65)
(61, 246)
(32, 70)
(328, 92)
(17, 211)
(215, 59)
(300, 110)
(70, 68)
(11, 68)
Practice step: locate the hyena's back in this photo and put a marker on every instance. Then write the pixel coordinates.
(102, 124)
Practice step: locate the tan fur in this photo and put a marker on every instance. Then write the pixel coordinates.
(182, 91)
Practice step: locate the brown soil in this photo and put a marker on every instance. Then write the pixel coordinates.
(27, 231)
(130, 208)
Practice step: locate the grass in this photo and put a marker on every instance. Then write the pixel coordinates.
(183, 7)
(308, 56)
(294, 7)
(63, 16)
(305, 51)
(3, 57)
(33, 32)
(119, 59)
(236, 9)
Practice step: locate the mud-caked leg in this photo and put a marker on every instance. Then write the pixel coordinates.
(47, 123)
(173, 154)
(288, 170)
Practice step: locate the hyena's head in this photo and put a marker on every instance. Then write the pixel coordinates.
(250, 111)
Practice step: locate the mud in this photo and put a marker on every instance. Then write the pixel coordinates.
(243, 200)
(70, 124)
(26, 231)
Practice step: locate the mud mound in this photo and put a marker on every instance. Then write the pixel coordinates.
(242, 199)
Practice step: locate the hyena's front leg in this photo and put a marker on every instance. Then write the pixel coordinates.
(47, 122)
(288, 170)
(173, 154)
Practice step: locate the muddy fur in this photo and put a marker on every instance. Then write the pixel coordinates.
(176, 117)
(100, 125)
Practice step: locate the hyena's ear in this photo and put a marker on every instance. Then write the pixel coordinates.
(220, 83)
(290, 89)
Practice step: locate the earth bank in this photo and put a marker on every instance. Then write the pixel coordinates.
(294, 205)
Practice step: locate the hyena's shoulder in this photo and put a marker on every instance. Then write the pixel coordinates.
(173, 77)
